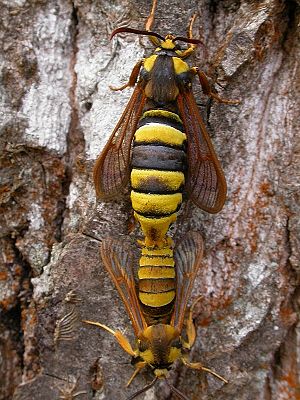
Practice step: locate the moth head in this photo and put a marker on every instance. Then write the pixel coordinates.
(169, 42)
(159, 346)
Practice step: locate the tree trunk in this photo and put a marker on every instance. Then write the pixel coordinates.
(57, 113)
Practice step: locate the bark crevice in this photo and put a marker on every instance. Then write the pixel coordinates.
(75, 138)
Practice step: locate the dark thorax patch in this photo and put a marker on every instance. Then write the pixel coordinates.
(162, 86)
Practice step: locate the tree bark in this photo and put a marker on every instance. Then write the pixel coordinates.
(57, 113)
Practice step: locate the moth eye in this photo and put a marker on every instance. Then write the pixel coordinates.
(143, 346)
(177, 343)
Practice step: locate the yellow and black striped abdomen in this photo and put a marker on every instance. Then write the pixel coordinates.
(157, 176)
(157, 283)
(157, 180)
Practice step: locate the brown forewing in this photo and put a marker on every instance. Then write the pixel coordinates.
(112, 168)
(118, 261)
(188, 258)
(205, 184)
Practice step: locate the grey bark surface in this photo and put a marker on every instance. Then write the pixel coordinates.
(56, 114)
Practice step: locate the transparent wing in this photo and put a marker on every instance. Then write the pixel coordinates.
(118, 261)
(112, 168)
(188, 257)
(206, 184)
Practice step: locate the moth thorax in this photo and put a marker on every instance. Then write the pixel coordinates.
(160, 338)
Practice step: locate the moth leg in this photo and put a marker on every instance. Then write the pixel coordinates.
(149, 23)
(139, 367)
(198, 366)
(133, 77)
(150, 19)
(192, 47)
(121, 339)
(190, 327)
(206, 87)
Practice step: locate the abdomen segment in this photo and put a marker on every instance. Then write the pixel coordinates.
(157, 181)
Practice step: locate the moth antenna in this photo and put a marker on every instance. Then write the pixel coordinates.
(135, 31)
(176, 391)
(188, 40)
(144, 389)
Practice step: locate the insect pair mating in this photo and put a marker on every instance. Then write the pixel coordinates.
(160, 145)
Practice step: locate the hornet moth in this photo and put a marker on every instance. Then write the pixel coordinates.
(158, 343)
(161, 146)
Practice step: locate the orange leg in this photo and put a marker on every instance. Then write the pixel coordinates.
(198, 366)
(150, 18)
(191, 334)
(133, 77)
(121, 339)
(138, 368)
(192, 47)
(190, 327)
(207, 88)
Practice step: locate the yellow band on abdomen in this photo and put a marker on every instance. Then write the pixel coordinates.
(157, 299)
(172, 180)
(157, 261)
(156, 204)
(156, 273)
(164, 252)
(160, 133)
(162, 113)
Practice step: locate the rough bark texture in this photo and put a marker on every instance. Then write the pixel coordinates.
(56, 114)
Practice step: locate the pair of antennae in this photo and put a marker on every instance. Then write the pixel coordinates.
(149, 33)
(147, 387)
